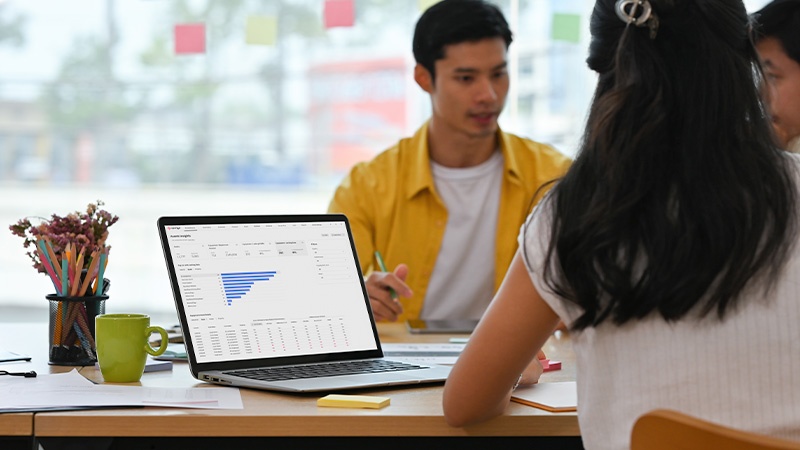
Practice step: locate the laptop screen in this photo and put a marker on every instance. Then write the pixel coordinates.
(255, 290)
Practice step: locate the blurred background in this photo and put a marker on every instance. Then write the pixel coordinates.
(228, 107)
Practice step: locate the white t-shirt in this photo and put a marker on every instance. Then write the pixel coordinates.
(794, 145)
(462, 282)
(743, 372)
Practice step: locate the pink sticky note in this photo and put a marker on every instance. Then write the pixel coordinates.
(190, 38)
(549, 365)
(339, 13)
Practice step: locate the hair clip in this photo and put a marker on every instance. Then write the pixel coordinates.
(639, 13)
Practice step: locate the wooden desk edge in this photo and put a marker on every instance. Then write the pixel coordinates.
(16, 424)
(195, 425)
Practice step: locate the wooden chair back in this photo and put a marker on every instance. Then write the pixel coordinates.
(671, 430)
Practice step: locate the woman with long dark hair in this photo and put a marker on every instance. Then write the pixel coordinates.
(668, 248)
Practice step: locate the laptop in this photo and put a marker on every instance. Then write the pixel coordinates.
(278, 302)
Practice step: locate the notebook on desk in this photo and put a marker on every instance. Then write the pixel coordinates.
(278, 303)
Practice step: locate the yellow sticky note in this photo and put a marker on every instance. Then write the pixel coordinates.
(425, 4)
(353, 401)
(261, 30)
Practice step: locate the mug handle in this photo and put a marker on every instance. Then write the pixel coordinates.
(164, 340)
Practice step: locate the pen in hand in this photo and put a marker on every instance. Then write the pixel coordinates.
(382, 266)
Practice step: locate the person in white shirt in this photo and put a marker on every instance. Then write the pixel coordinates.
(669, 247)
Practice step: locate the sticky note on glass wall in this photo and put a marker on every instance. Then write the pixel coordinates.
(261, 30)
(339, 13)
(566, 27)
(190, 38)
(425, 4)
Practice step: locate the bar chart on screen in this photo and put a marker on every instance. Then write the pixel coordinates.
(232, 289)
(237, 285)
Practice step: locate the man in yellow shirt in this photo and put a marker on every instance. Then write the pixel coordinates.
(445, 206)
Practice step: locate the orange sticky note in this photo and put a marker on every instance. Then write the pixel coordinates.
(339, 13)
(190, 38)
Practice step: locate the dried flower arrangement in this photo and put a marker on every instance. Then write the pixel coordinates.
(80, 231)
(72, 251)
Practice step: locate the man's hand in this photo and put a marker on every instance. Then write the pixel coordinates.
(379, 287)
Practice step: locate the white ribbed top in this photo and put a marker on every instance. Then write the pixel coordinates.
(743, 372)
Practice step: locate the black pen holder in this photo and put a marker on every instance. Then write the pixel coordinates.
(72, 336)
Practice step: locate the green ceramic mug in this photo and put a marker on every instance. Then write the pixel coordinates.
(123, 345)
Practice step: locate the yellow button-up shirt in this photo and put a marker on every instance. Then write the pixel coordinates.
(392, 205)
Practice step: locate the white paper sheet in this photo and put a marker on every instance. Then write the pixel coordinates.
(71, 389)
(444, 354)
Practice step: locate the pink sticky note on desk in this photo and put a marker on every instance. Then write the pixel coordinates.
(549, 365)
(339, 13)
(190, 38)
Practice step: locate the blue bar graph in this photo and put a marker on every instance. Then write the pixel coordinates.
(238, 284)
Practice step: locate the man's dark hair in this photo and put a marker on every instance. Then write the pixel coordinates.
(780, 19)
(455, 21)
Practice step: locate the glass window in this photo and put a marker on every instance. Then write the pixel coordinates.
(96, 103)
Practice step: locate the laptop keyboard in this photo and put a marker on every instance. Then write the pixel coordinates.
(324, 370)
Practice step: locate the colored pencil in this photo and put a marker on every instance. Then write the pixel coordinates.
(89, 274)
(53, 257)
(81, 320)
(70, 267)
(67, 326)
(58, 325)
(64, 282)
(76, 280)
(49, 269)
(98, 288)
